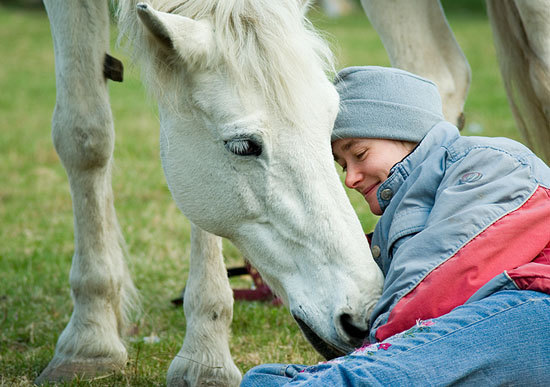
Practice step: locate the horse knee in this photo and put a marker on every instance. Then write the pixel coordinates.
(83, 141)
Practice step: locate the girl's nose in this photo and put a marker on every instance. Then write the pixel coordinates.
(353, 177)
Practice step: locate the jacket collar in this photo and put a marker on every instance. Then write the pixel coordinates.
(440, 135)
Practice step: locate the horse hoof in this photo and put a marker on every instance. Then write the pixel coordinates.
(187, 372)
(84, 370)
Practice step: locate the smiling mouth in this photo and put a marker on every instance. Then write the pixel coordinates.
(369, 190)
(327, 350)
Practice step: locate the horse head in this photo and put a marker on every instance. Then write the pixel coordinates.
(246, 111)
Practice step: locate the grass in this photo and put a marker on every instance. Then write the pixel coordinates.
(36, 216)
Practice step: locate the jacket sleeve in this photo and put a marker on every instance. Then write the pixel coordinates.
(469, 236)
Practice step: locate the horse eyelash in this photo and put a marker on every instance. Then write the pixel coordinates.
(243, 147)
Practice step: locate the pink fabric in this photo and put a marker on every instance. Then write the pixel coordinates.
(509, 243)
(534, 275)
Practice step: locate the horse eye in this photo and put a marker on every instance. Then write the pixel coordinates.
(243, 147)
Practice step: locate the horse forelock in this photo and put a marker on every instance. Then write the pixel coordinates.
(266, 44)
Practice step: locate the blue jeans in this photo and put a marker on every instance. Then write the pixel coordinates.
(501, 339)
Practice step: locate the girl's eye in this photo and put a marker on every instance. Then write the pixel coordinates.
(359, 155)
(243, 147)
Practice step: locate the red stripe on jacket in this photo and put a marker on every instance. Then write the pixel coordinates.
(514, 240)
(534, 275)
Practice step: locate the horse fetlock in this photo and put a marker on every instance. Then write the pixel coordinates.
(103, 284)
(213, 311)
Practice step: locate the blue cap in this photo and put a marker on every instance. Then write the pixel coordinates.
(385, 102)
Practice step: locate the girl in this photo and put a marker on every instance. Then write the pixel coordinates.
(463, 241)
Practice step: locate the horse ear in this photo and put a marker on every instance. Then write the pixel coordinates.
(192, 40)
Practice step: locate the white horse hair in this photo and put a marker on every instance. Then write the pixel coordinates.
(249, 33)
(246, 111)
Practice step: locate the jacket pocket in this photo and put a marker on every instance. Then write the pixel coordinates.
(405, 227)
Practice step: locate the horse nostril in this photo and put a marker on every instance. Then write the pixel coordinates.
(352, 330)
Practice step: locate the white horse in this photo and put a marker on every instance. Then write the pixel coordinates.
(418, 38)
(246, 110)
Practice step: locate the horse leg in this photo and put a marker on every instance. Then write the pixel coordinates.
(204, 358)
(418, 39)
(83, 135)
(521, 31)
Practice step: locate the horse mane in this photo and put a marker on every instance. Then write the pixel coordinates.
(265, 42)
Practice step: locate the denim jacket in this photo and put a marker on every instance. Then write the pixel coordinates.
(463, 217)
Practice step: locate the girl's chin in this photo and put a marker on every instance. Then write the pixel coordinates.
(375, 208)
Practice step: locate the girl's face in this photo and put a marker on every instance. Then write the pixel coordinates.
(367, 163)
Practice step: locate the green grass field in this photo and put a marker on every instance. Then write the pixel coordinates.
(36, 217)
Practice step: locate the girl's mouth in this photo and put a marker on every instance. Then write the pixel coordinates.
(370, 189)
